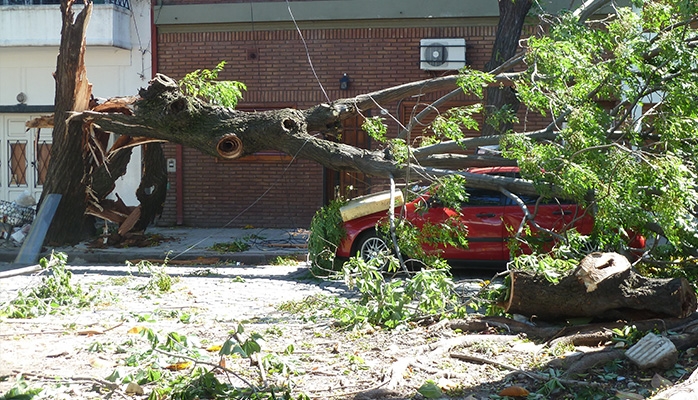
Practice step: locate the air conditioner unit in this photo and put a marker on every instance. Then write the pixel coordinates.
(441, 54)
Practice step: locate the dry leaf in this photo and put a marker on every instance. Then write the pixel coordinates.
(179, 366)
(136, 329)
(514, 391)
(660, 381)
(98, 363)
(90, 332)
(134, 388)
(629, 396)
(215, 347)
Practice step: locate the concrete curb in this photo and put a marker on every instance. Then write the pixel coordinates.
(186, 244)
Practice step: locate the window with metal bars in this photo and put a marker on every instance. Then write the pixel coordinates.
(17, 163)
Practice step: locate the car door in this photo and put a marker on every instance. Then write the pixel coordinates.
(482, 215)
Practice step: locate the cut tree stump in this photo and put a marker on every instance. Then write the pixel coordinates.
(604, 287)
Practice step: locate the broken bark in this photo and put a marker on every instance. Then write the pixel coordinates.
(67, 166)
(623, 294)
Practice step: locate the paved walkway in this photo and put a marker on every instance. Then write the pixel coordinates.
(181, 245)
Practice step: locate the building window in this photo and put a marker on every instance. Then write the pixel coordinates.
(17, 163)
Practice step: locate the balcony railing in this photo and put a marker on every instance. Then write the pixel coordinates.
(120, 3)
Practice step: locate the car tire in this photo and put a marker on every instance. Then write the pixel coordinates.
(371, 246)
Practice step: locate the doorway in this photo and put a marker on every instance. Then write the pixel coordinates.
(24, 156)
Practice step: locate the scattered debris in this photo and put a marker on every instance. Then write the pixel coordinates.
(653, 351)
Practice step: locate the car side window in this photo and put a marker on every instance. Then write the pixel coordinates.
(528, 199)
(483, 197)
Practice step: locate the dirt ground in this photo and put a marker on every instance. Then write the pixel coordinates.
(72, 353)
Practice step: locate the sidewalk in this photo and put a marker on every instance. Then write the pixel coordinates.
(184, 245)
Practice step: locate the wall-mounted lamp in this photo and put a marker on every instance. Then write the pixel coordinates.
(344, 82)
(21, 98)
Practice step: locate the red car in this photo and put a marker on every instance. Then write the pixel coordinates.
(489, 216)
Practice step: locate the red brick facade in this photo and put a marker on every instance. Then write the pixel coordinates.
(275, 68)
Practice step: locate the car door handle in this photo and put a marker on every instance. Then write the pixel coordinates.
(485, 215)
(562, 212)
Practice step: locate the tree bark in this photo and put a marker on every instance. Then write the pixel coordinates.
(512, 14)
(67, 165)
(153, 188)
(620, 295)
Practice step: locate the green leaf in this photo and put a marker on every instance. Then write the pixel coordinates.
(430, 390)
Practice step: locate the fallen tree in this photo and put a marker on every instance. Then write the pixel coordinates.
(630, 172)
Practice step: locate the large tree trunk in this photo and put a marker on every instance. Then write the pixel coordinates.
(603, 287)
(153, 188)
(512, 14)
(67, 166)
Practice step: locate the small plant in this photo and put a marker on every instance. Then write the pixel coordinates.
(285, 261)
(204, 272)
(394, 302)
(160, 281)
(55, 292)
(628, 335)
(235, 246)
(326, 232)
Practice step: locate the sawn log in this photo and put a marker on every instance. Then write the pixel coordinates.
(604, 287)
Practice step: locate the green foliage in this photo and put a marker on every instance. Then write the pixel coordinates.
(235, 246)
(502, 117)
(634, 165)
(399, 150)
(430, 390)
(326, 232)
(473, 81)
(376, 128)
(389, 303)
(450, 191)
(545, 265)
(21, 391)
(203, 84)
(55, 293)
(628, 335)
(450, 124)
(285, 260)
(159, 282)
(158, 366)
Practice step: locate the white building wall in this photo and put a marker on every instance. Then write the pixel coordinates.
(118, 61)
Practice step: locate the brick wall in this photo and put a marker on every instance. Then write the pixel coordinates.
(275, 68)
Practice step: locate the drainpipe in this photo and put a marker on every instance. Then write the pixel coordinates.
(179, 155)
(179, 181)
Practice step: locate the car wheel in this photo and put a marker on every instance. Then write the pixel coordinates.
(373, 247)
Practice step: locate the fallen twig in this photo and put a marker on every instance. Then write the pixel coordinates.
(110, 385)
(20, 271)
(532, 375)
(210, 364)
(347, 394)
